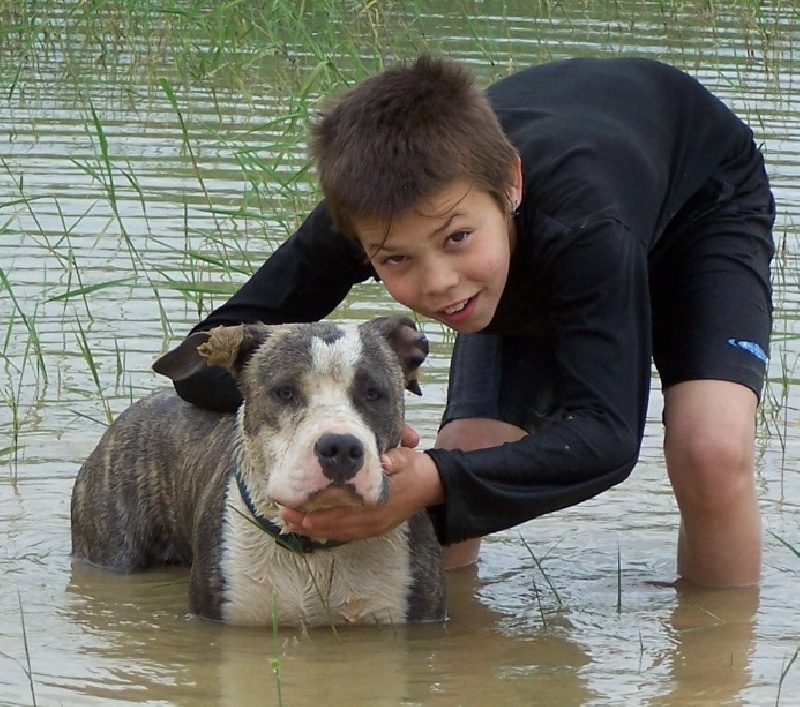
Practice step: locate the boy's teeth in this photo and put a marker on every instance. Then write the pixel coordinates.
(456, 307)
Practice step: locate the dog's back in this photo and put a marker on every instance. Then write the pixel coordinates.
(172, 484)
(135, 498)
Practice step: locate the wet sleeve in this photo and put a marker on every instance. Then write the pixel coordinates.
(303, 280)
(599, 303)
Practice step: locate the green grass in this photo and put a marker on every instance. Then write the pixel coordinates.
(786, 544)
(27, 666)
(546, 577)
(785, 668)
(275, 662)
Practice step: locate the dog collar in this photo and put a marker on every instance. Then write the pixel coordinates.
(290, 541)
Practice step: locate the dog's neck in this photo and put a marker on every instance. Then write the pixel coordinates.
(290, 541)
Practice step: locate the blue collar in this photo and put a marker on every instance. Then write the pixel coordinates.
(290, 541)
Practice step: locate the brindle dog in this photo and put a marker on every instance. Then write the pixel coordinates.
(170, 483)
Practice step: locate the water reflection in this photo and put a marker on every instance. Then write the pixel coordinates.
(134, 626)
(544, 664)
(713, 635)
(144, 646)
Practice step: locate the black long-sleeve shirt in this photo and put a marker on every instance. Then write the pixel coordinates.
(612, 150)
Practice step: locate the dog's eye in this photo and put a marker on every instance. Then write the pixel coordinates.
(284, 393)
(372, 393)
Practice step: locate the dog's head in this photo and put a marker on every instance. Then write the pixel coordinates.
(322, 402)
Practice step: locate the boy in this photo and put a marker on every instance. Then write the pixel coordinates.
(572, 222)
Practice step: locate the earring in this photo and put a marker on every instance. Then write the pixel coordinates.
(514, 208)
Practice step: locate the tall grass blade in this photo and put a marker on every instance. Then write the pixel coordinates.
(27, 668)
(785, 544)
(33, 336)
(541, 569)
(275, 663)
(784, 673)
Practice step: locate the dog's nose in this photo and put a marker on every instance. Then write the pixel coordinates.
(340, 456)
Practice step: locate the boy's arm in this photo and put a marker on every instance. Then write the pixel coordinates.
(303, 280)
(598, 300)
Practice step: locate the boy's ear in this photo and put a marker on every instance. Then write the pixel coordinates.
(515, 181)
(226, 346)
(410, 345)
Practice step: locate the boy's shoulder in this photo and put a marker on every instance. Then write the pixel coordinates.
(598, 72)
(600, 121)
(598, 98)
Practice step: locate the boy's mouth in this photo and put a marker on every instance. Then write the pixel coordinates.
(457, 312)
(452, 309)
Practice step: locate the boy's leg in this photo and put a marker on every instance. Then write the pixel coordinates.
(712, 316)
(468, 434)
(500, 389)
(708, 445)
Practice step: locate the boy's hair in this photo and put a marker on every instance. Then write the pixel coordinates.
(405, 134)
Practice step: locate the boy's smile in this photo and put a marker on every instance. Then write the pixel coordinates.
(448, 259)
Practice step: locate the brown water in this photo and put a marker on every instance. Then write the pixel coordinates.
(544, 618)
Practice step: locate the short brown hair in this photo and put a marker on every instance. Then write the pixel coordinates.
(405, 134)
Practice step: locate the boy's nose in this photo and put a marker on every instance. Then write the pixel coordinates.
(438, 279)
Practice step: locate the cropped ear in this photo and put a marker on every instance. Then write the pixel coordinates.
(226, 346)
(410, 345)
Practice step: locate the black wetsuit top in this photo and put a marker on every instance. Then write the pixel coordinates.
(611, 150)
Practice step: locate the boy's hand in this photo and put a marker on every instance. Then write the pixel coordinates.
(408, 437)
(414, 485)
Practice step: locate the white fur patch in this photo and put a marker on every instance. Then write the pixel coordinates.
(295, 470)
(339, 358)
(365, 581)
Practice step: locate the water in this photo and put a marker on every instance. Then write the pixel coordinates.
(543, 618)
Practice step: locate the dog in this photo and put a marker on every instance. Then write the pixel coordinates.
(171, 484)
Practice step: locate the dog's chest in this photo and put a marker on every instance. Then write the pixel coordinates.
(362, 582)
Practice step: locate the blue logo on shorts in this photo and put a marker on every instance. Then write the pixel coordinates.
(751, 347)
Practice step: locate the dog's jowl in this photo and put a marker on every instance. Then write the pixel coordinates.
(172, 484)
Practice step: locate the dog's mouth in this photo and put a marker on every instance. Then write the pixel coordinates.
(332, 497)
(336, 495)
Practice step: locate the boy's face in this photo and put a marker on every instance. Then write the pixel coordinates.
(448, 259)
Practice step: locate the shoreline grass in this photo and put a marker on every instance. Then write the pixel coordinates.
(176, 53)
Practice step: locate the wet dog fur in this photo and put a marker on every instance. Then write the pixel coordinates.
(171, 484)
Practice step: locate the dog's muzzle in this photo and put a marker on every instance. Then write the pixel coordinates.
(340, 456)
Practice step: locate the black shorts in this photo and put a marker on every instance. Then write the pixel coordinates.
(711, 303)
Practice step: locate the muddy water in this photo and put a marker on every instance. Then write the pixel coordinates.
(574, 608)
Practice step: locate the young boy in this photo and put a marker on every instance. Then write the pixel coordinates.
(572, 222)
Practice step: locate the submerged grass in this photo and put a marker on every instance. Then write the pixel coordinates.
(275, 662)
(27, 667)
(785, 668)
(553, 590)
(34, 344)
(786, 544)
(787, 665)
(86, 351)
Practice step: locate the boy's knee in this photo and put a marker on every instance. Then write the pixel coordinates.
(477, 433)
(711, 472)
(709, 444)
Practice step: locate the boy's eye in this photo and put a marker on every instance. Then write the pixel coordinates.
(393, 260)
(458, 236)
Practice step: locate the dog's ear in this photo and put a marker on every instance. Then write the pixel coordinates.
(410, 345)
(226, 346)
